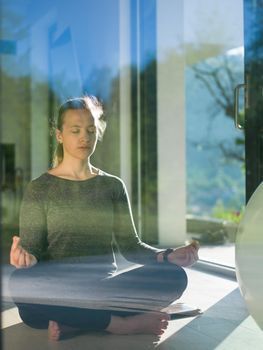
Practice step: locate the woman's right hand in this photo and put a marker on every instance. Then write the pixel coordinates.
(19, 257)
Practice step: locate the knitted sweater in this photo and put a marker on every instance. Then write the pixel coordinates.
(62, 219)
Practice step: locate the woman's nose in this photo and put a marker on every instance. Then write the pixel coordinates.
(85, 137)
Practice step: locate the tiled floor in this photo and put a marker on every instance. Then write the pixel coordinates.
(224, 325)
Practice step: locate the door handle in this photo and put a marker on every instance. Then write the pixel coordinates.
(238, 125)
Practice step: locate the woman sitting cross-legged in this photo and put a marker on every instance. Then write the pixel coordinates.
(65, 278)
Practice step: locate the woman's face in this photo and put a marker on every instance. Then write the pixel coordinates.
(79, 134)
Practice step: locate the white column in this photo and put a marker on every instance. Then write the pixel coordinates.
(125, 94)
(171, 123)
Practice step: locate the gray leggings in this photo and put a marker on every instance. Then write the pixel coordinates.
(44, 292)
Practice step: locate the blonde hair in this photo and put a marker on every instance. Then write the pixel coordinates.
(89, 103)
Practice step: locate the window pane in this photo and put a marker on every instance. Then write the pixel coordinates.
(167, 86)
(215, 149)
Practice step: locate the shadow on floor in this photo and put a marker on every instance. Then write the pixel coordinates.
(203, 333)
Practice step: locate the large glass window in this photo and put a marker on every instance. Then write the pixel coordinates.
(165, 71)
(51, 51)
(215, 149)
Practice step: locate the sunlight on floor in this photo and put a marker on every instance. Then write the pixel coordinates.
(10, 318)
(221, 254)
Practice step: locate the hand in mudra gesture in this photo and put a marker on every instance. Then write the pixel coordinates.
(19, 257)
(185, 256)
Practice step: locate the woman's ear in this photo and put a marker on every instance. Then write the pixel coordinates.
(59, 136)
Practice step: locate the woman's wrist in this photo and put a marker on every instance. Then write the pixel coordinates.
(162, 257)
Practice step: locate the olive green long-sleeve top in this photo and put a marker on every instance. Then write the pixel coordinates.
(62, 218)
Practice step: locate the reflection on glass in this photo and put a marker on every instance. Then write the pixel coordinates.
(53, 50)
(50, 51)
(215, 150)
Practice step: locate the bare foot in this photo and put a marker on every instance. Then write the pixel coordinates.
(147, 323)
(56, 331)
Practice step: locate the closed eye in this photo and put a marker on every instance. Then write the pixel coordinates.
(75, 131)
(92, 130)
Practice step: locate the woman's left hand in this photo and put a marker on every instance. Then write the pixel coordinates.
(184, 256)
